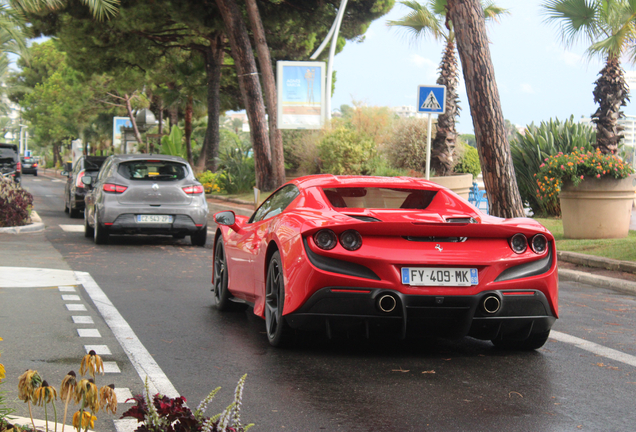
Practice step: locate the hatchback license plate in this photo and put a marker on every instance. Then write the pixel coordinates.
(154, 218)
(432, 276)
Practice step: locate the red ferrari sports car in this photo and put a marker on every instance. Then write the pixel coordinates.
(324, 252)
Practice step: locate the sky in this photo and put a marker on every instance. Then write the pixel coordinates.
(537, 77)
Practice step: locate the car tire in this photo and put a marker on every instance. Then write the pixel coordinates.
(89, 231)
(73, 213)
(65, 206)
(100, 232)
(35, 174)
(533, 342)
(277, 329)
(198, 238)
(221, 294)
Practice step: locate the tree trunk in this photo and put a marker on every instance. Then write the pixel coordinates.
(610, 93)
(443, 146)
(213, 65)
(57, 160)
(467, 17)
(269, 82)
(132, 120)
(250, 90)
(188, 130)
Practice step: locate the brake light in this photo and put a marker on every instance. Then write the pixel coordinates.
(192, 190)
(35, 165)
(19, 168)
(78, 181)
(113, 188)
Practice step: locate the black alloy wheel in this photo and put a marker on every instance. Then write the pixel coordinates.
(89, 231)
(101, 232)
(221, 294)
(277, 328)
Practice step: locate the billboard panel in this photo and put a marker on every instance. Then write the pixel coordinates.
(118, 123)
(301, 94)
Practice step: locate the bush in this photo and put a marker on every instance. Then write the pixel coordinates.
(530, 149)
(209, 181)
(345, 152)
(574, 167)
(406, 148)
(378, 166)
(468, 162)
(236, 170)
(15, 204)
(300, 148)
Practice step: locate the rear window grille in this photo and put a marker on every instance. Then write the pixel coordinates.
(365, 218)
(432, 239)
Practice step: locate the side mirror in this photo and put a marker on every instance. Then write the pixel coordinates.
(64, 173)
(87, 180)
(227, 218)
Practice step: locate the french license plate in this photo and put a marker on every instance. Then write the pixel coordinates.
(27, 165)
(432, 276)
(154, 218)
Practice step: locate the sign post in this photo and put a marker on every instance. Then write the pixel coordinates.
(431, 99)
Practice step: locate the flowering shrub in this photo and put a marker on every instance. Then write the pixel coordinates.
(209, 181)
(575, 167)
(15, 204)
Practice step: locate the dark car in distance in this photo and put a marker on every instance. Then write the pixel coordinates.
(75, 190)
(10, 165)
(29, 165)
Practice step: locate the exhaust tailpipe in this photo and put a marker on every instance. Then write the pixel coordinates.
(387, 303)
(491, 304)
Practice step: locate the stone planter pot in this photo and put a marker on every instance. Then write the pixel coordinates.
(597, 208)
(458, 183)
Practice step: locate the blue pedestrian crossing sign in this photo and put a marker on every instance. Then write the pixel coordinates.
(431, 99)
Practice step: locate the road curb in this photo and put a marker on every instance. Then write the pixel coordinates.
(594, 261)
(620, 285)
(36, 226)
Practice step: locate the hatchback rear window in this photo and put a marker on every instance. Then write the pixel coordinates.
(152, 170)
(379, 198)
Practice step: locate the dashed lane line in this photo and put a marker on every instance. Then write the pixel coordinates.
(594, 348)
(72, 228)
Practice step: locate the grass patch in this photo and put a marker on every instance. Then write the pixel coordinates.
(623, 249)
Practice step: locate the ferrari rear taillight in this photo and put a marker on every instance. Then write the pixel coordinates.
(193, 190)
(114, 188)
(78, 181)
(519, 243)
(539, 244)
(326, 239)
(351, 240)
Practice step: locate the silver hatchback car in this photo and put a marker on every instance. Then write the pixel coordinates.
(145, 194)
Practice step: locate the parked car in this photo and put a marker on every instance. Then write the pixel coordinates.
(329, 252)
(74, 190)
(10, 165)
(29, 165)
(145, 194)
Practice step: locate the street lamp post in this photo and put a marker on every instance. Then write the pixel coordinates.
(21, 147)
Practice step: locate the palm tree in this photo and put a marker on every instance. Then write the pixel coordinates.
(431, 20)
(610, 28)
(99, 8)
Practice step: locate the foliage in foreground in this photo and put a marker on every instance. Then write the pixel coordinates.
(530, 149)
(236, 169)
(209, 181)
(15, 204)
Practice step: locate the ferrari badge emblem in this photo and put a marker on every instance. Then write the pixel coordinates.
(439, 248)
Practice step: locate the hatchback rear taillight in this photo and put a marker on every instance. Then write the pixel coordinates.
(78, 181)
(19, 167)
(113, 188)
(35, 165)
(193, 190)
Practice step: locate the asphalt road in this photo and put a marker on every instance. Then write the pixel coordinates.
(161, 287)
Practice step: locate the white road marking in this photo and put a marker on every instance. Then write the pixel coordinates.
(111, 367)
(57, 181)
(144, 363)
(66, 288)
(72, 228)
(75, 307)
(124, 393)
(37, 180)
(94, 333)
(594, 348)
(99, 349)
(71, 297)
(83, 320)
(28, 277)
